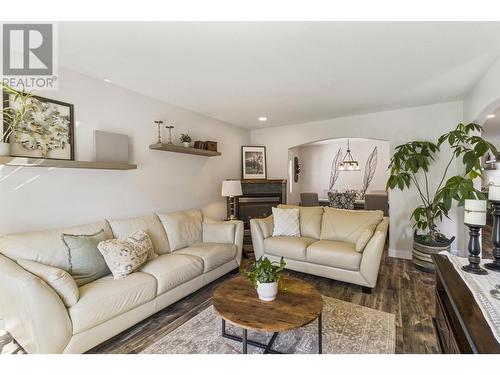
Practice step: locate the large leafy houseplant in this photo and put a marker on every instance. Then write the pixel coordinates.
(410, 166)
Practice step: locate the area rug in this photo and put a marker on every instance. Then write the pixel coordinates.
(347, 328)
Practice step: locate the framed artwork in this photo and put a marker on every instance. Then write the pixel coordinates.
(48, 132)
(253, 159)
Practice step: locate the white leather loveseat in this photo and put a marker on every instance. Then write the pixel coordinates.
(327, 245)
(41, 323)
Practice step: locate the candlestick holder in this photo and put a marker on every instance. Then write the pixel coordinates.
(169, 127)
(158, 123)
(495, 237)
(474, 251)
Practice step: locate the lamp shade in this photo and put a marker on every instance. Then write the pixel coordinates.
(231, 188)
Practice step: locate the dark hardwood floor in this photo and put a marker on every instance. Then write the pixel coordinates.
(401, 290)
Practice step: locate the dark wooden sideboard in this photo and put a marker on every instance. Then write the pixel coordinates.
(459, 322)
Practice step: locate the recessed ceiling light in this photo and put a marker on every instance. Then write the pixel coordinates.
(491, 116)
(107, 80)
(262, 119)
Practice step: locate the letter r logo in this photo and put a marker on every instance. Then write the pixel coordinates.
(28, 49)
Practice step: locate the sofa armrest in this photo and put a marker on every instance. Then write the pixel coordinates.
(238, 234)
(372, 254)
(238, 238)
(257, 237)
(34, 314)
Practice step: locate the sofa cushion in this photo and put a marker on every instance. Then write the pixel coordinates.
(267, 226)
(151, 223)
(286, 222)
(218, 232)
(171, 270)
(212, 254)
(86, 262)
(347, 225)
(288, 247)
(310, 220)
(61, 281)
(183, 228)
(336, 254)
(126, 256)
(106, 298)
(365, 237)
(46, 246)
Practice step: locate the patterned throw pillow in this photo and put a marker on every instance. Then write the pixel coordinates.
(126, 256)
(342, 200)
(286, 222)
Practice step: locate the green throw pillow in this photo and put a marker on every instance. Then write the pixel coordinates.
(86, 262)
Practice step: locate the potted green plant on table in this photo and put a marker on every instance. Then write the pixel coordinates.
(410, 166)
(185, 139)
(13, 115)
(265, 277)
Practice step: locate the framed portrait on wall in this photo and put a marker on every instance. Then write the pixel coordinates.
(253, 159)
(46, 132)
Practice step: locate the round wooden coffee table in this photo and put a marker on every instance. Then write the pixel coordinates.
(237, 302)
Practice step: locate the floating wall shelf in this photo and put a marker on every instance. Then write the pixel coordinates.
(183, 150)
(15, 161)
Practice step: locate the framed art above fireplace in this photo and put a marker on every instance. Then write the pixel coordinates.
(253, 162)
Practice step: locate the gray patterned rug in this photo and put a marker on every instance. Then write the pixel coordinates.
(347, 328)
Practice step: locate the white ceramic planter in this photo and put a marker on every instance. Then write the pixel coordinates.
(186, 144)
(267, 291)
(4, 149)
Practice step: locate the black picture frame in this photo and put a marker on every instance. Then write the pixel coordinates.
(71, 107)
(245, 175)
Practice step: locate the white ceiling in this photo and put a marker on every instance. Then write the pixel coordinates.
(290, 72)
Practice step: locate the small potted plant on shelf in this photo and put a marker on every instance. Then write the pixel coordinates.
(265, 277)
(185, 139)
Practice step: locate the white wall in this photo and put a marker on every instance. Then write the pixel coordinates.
(38, 198)
(316, 159)
(398, 126)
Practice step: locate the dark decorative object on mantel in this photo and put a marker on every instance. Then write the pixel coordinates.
(253, 162)
(495, 237)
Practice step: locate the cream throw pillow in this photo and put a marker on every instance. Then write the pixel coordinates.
(286, 222)
(365, 236)
(183, 228)
(218, 233)
(126, 256)
(59, 280)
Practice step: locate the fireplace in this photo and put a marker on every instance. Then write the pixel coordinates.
(259, 196)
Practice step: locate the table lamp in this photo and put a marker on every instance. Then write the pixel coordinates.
(231, 189)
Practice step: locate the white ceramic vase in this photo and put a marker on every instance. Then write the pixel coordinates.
(267, 291)
(186, 144)
(4, 149)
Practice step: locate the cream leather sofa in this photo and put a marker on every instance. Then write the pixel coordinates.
(37, 318)
(326, 247)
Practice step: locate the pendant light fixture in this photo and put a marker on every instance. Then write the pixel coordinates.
(348, 163)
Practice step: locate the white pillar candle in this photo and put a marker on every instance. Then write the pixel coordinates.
(475, 212)
(494, 193)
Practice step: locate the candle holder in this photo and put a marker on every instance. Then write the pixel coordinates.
(169, 127)
(474, 251)
(495, 237)
(158, 123)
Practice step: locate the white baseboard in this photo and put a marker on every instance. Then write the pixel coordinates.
(402, 254)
